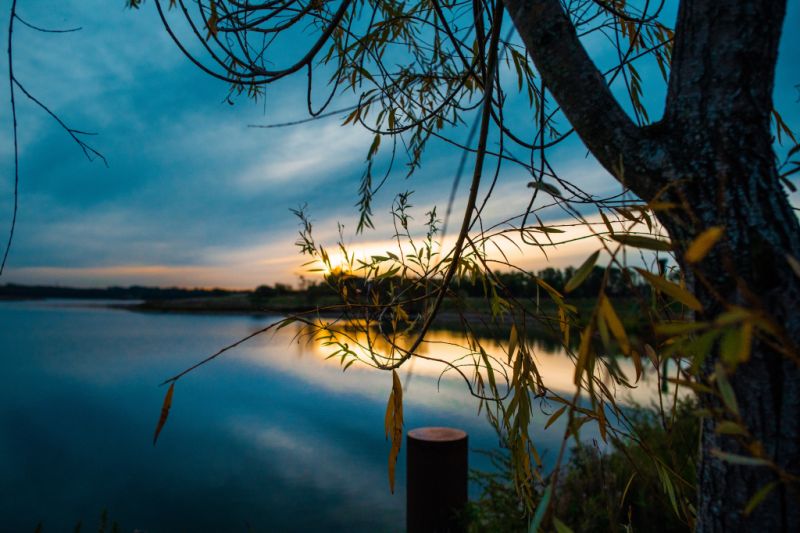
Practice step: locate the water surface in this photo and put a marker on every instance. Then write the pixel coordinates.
(269, 437)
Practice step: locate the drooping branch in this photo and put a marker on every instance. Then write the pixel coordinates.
(584, 95)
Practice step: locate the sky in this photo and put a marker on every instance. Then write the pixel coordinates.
(191, 195)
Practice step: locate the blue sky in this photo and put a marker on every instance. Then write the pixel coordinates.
(192, 196)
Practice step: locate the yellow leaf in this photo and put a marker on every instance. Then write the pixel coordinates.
(393, 423)
(513, 340)
(211, 24)
(651, 353)
(646, 243)
(661, 206)
(637, 363)
(563, 324)
(554, 417)
(164, 411)
(614, 324)
(672, 289)
(703, 244)
(583, 353)
(601, 421)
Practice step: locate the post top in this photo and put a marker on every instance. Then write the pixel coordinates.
(437, 434)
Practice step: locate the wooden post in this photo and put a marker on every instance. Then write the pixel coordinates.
(436, 480)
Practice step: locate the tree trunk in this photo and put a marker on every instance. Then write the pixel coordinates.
(712, 156)
(717, 132)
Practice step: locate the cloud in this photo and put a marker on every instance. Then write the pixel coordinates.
(305, 155)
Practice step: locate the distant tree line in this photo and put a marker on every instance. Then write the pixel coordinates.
(11, 291)
(518, 284)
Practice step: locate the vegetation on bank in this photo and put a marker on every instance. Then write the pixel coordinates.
(470, 303)
(617, 489)
(13, 291)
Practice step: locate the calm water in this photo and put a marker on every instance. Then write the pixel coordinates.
(270, 436)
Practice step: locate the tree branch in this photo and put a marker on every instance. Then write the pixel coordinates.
(584, 96)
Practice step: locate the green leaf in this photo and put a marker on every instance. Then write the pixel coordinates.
(726, 427)
(640, 241)
(758, 497)
(794, 263)
(725, 390)
(739, 459)
(581, 274)
(561, 527)
(552, 190)
(541, 509)
(668, 329)
(675, 291)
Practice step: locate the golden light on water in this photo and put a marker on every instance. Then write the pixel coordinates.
(295, 352)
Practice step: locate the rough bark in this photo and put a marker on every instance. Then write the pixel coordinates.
(712, 155)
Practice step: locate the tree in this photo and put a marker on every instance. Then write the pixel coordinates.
(706, 170)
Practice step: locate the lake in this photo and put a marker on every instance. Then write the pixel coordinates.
(269, 437)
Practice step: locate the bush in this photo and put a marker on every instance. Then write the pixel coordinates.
(621, 489)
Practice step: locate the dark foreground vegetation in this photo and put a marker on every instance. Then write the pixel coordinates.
(619, 489)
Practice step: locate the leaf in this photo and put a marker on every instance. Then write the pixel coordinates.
(552, 190)
(668, 329)
(672, 289)
(697, 387)
(393, 424)
(735, 345)
(554, 417)
(739, 459)
(541, 509)
(614, 324)
(703, 244)
(794, 263)
(513, 341)
(583, 271)
(726, 427)
(651, 353)
(561, 527)
(164, 411)
(607, 223)
(639, 241)
(583, 353)
(627, 488)
(733, 316)
(729, 347)
(489, 371)
(637, 364)
(211, 24)
(373, 149)
(758, 497)
(725, 390)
